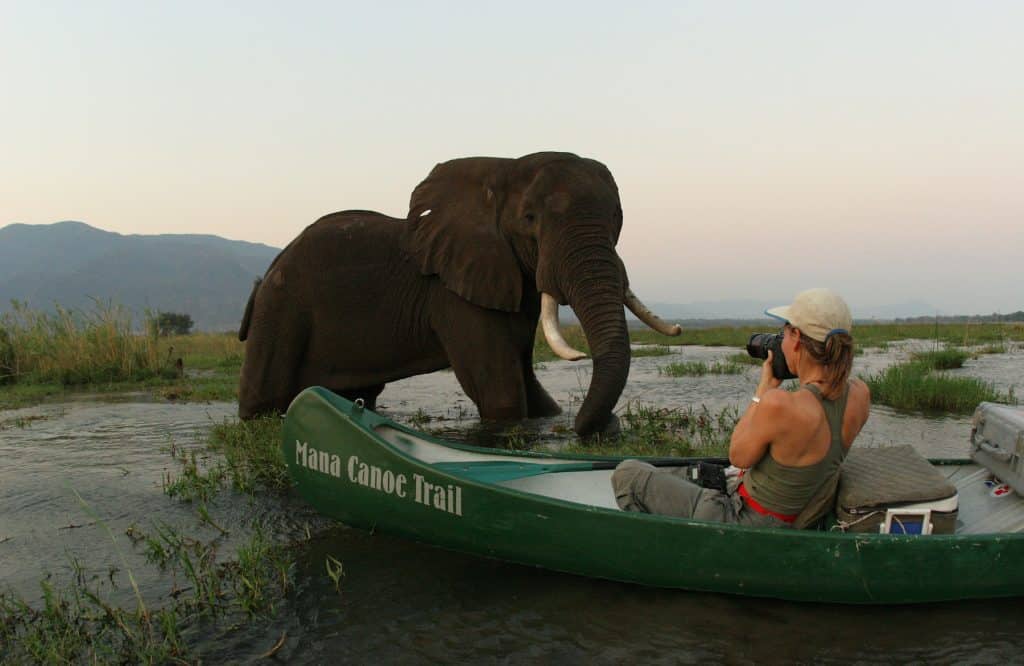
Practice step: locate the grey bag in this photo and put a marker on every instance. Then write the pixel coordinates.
(874, 481)
(997, 442)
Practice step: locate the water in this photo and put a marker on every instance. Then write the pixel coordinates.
(402, 601)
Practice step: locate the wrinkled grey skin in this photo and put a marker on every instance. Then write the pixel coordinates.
(359, 299)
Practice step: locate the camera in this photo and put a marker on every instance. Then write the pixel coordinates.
(761, 343)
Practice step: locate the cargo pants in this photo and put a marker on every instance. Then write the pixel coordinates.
(645, 488)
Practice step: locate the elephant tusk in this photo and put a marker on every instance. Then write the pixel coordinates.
(645, 315)
(549, 322)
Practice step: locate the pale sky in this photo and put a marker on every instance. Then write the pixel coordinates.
(759, 147)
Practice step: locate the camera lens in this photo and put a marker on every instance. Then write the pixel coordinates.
(761, 343)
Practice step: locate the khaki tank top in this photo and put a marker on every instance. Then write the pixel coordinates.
(787, 490)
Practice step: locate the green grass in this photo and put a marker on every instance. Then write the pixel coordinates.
(252, 453)
(743, 358)
(700, 368)
(917, 386)
(942, 359)
(76, 347)
(650, 350)
(44, 355)
(77, 625)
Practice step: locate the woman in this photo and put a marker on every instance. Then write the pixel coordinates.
(790, 444)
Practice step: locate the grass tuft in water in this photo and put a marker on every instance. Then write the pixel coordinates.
(650, 350)
(915, 386)
(942, 359)
(195, 483)
(77, 625)
(699, 369)
(743, 358)
(252, 453)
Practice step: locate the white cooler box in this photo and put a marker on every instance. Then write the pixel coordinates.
(997, 442)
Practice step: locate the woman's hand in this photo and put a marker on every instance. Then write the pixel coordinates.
(768, 380)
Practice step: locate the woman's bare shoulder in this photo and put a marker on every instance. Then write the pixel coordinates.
(860, 397)
(859, 390)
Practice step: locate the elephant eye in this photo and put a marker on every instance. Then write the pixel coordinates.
(530, 217)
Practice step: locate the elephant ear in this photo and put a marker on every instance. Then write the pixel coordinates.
(453, 232)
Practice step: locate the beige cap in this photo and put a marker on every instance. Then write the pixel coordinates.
(817, 313)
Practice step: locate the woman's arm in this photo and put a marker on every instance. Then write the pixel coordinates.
(761, 421)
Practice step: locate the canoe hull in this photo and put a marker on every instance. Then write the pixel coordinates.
(347, 472)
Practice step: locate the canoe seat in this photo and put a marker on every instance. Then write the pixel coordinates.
(874, 482)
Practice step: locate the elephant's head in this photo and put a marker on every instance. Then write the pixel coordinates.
(484, 224)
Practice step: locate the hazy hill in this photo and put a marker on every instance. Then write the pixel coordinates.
(205, 276)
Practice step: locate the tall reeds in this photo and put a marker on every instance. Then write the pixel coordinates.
(72, 347)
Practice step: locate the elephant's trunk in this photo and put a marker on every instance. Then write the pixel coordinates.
(596, 295)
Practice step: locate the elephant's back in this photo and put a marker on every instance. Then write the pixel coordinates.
(352, 258)
(354, 226)
(351, 238)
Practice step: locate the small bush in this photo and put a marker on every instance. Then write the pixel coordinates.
(173, 323)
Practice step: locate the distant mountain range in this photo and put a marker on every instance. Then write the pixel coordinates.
(209, 277)
(70, 263)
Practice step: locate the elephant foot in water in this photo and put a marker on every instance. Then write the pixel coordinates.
(611, 430)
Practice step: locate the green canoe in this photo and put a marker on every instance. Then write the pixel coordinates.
(558, 512)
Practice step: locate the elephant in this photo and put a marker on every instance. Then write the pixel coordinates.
(489, 246)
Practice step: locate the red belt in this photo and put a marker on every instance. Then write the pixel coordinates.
(758, 507)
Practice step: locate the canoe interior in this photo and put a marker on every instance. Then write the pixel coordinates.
(570, 479)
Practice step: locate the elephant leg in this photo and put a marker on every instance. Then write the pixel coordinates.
(368, 394)
(539, 402)
(274, 352)
(496, 386)
(488, 364)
